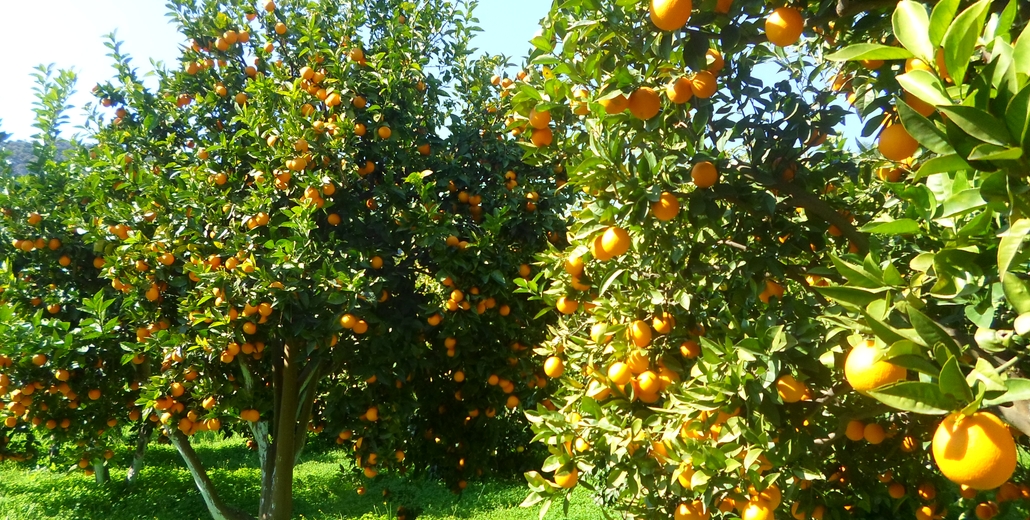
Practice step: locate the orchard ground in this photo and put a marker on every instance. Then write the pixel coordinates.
(327, 489)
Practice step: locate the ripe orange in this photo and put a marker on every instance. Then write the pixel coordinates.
(615, 241)
(896, 144)
(574, 265)
(704, 175)
(250, 415)
(384, 132)
(542, 137)
(619, 373)
(567, 480)
(567, 305)
(790, 389)
(757, 509)
(554, 367)
(873, 433)
(975, 450)
(690, 349)
(663, 323)
(644, 102)
(372, 414)
(539, 120)
(784, 26)
(640, 332)
(703, 84)
(896, 490)
(922, 107)
(666, 208)
(670, 15)
(864, 374)
(694, 510)
(715, 61)
(615, 105)
(679, 91)
(855, 430)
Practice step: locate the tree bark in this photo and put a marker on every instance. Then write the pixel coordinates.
(266, 457)
(141, 449)
(218, 509)
(285, 435)
(100, 471)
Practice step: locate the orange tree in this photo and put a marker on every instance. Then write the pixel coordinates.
(314, 224)
(59, 347)
(758, 319)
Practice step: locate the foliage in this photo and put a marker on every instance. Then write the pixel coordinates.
(706, 362)
(312, 223)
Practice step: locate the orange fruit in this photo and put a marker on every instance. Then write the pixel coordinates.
(784, 26)
(715, 61)
(567, 305)
(567, 480)
(703, 84)
(670, 15)
(864, 374)
(757, 509)
(896, 144)
(539, 120)
(644, 102)
(619, 373)
(790, 389)
(542, 137)
(640, 332)
(704, 175)
(679, 91)
(855, 430)
(574, 265)
(615, 105)
(694, 510)
(873, 433)
(723, 6)
(975, 450)
(922, 107)
(384, 132)
(896, 490)
(554, 367)
(666, 207)
(690, 349)
(615, 241)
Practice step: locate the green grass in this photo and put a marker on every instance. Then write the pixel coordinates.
(322, 491)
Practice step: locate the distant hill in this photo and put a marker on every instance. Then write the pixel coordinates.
(20, 154)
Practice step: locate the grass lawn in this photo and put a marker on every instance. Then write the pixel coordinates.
(165, 490)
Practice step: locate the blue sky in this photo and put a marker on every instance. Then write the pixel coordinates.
(73, 38)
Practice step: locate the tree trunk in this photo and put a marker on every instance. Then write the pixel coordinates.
(218, 509)
(266, 457)
(282, 480)
(141, 449)
(100, 471)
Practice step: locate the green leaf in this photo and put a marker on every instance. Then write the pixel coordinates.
(990, 152)
(904, 226)
(915, 396)
(960, 40)
(884, 331)
(1017, 114)
(855, 296)
(925, 86)
(1018, 389)
(856, 275)
(1011, 242)
(869, 51)
(1016, 292)
(963, 201)
(1021, 52)
(985, 373)
(940, 19)
(931, 332)
(911, 27)
(978, 124)
(953, 383)
(942, 164)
